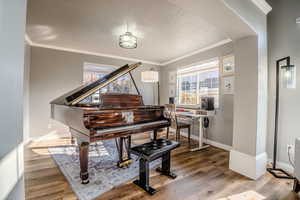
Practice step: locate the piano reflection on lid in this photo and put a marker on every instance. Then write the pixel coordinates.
(117, 116)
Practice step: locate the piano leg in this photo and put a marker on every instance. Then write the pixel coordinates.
(121, 149)
(123, 162)
(128, 146)
(83, 157)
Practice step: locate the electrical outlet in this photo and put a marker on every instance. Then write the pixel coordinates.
(290, 148)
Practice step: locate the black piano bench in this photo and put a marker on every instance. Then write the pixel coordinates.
(150, 151)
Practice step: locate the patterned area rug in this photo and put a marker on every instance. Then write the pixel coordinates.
(103, 172)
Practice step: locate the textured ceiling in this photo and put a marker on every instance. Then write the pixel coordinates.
(166, 29)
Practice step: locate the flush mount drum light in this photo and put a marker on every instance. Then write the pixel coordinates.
(128, 41)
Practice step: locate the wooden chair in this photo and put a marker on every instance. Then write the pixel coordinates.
(170, 110)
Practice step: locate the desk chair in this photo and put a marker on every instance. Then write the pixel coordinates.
(170, 110)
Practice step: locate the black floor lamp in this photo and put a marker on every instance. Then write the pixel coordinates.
(288, 81)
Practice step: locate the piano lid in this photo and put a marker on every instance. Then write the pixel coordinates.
(80, 93)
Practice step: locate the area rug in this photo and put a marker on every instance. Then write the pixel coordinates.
(104, 174)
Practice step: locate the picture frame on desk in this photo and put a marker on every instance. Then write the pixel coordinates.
(227, 65)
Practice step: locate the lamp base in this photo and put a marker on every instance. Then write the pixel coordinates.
(279, 173)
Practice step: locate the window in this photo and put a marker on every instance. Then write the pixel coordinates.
(93, 72)
(198, 81)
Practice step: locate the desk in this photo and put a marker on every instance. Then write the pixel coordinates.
(200, 120)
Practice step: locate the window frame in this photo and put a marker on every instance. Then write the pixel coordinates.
(101, 69)
(198, 65)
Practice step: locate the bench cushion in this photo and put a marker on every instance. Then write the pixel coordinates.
(154, 149)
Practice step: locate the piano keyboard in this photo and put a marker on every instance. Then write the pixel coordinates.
(130, 127)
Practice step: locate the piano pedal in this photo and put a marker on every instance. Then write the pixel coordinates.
(124, 163)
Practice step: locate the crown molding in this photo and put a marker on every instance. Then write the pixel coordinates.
(31, 43)
(263, 6)
(222, 42)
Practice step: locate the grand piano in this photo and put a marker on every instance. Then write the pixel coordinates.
(117, 116)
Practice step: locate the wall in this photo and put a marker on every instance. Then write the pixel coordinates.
(54, 72)
(284, 40)
(221, 125)
(251, 56)
(246, 93)
(12, 29)
(248, 156)
(26, 92)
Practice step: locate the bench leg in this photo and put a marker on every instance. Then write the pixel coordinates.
(166, 166)
(168, 132)
(143, 181)
(155, 134)
(177, 134)
(189, 136)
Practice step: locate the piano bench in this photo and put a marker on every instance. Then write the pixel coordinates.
(151, 151)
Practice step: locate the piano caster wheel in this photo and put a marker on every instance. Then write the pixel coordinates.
(124, 163)
(84, 178)
(84, 182)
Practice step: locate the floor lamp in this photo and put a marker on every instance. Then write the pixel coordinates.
(286, 73)
(152, 77)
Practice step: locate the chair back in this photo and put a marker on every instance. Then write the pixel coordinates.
(170, 110)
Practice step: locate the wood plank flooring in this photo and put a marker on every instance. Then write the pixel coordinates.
(201, 175)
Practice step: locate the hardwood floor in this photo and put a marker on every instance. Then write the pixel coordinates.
(201, 175)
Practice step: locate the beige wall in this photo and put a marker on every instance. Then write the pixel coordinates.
(26, 92)
(251, 53)
(12, 30)
(54, 72)
(284, 40)
(246, 81)
(222, 123)
(248, 156)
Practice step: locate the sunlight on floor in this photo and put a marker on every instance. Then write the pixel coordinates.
(249, 195)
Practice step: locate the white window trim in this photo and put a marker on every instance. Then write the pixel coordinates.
(98, 67)
(198, 63)
(179, 75)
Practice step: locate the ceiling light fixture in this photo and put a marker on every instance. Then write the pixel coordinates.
(298, 20)
(128, 40)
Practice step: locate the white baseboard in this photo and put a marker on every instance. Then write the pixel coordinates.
(219, 145)
(250, 166)
(282, 165)
(210, 142)
(193, 137)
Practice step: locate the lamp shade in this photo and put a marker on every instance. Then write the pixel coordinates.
(128, 41)
(288, 76)
(150, 76)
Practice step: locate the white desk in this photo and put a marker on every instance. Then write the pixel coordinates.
(200, 120)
